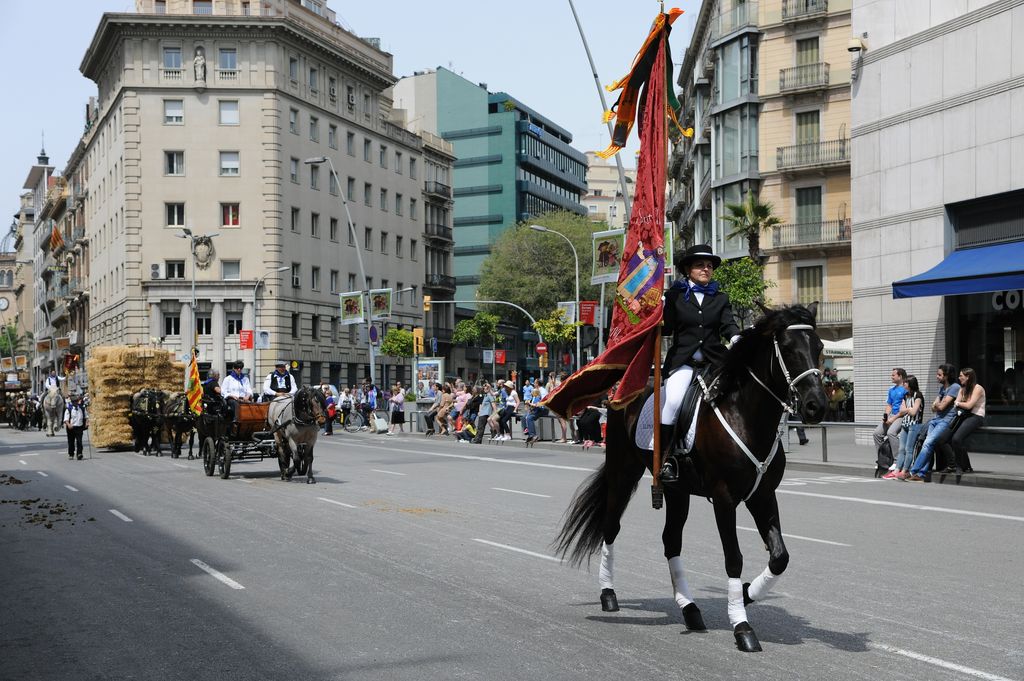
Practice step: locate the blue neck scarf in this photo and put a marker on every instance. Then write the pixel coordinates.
(685, 284)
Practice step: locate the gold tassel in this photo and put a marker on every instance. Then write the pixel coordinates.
(608, 116)
(609, 152)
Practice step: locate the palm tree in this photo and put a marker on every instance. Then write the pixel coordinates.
(748, 219)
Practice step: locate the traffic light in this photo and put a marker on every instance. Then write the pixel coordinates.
(426, 303)
(417, 340)
(542, 361)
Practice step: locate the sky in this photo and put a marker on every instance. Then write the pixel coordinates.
(530, 49)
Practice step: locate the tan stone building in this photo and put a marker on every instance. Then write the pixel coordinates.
(205, 121)
(603, 199)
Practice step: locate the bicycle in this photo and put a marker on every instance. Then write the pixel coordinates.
(353, 421)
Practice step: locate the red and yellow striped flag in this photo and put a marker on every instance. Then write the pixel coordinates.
(193, 390)
(56, 239)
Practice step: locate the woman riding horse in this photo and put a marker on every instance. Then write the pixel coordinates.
(737, 456)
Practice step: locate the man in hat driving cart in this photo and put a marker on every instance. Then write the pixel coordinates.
(279, 382)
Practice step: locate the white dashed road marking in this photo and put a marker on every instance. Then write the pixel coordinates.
(43, 474)
(73, 489)
(977, 673)
(216, 574)
(518, 550)
(336, 503)
(917, 507)
(120, 515)
(787, 535)
(377, 470)
(515, 491)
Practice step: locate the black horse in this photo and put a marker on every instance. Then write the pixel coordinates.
(179, 421)
(146, 420)
(769, 369)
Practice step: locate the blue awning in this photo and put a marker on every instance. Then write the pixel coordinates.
(974, 270)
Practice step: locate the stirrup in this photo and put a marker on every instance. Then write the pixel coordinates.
(669, 472)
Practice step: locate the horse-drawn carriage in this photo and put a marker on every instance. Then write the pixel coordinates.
(285, 428)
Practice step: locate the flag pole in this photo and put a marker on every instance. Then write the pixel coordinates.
(657, 493)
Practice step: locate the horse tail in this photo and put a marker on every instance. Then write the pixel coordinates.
(583, 527)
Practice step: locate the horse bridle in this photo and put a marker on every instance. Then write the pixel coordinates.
(790, 405)
(307, 396)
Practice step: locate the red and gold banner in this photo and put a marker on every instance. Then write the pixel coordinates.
(635, 328)
(193, 389)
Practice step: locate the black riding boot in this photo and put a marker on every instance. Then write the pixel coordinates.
(669, 473)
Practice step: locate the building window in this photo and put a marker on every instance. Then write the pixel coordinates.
(202, 6)
(332, 136)
(295, 170)
(204, 326)
(314, 278)
(383, 242)
(398, 246)
(175, 214)
(228, 112)
(234, 323)
(172, 325)
(367, 149)
(296, 275)
(245, 9)
(172, 58)
(334, 281)
(383, 199)
(412, 168)
(350, 189)
(227, 59)
(174, 162)
(334, 229)
(295, 324)
(314, 128)
(350, 143)
(314, 80)
(398, 162)
(160, 7)
(332, 89)
(293, 69)
(175, 269)
(229, 214)
(398, 204)
(412, 208)
(231, 270)
(367, 193)
(314, 177)
(314, 224)
(809, 284)
(229, 163)
(351, 236)
(334, 329)
(368, 239)
(383, 156)
(174, 111)
(412, 249)
(333, 183)
(295, 219)
(316, 327)
(293, 121)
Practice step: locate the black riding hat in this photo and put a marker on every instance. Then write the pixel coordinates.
(698, 252)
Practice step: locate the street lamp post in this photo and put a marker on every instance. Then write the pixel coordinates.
(576, 309)
(256, 317)
(186, 233)
(315, 161)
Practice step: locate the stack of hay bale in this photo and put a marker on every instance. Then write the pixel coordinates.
(115, 374)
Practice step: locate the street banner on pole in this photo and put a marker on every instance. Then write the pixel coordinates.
(380, 303)
(262, 341)
(21, 362)
(606, 253)
(6, 364)
(63, 343)
(351, 307)
(245, 341)
(588, 311)
(499, 356)
(567, 310)
(488, 356)
(43, 345)
(636, 318)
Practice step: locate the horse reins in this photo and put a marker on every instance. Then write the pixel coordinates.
(762, 466)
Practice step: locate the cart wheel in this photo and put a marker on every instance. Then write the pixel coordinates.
(224, 453)
(208, 450)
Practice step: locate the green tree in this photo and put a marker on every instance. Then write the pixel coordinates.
(556, 332)
(482, 328)
(397, 343)
(536, 270)
(748, 220)
(20, 341)
(743, 279)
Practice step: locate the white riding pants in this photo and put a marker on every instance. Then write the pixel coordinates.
(675, 391)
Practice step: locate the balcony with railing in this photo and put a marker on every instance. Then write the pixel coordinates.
(439, 231)
(811, 235)
(835, 313)
(742, 15)
(705, 185)
(802, 10)
(437, 189)
(813, 155)
(440, 282)
(171, 75)
(804, 78)
(227, 75)
(705, 121)
(77, 234)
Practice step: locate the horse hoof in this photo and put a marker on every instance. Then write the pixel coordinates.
(310, 481)
(609, 603)
(746, 639)
(747, 600)
(693, 619)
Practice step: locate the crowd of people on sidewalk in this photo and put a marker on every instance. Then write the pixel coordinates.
(956, 412)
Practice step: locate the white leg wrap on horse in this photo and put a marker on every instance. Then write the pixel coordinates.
(737, 613)
(607, 566)
(762, 585)
(679, 585)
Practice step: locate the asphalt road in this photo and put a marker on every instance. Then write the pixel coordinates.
(415, 558)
